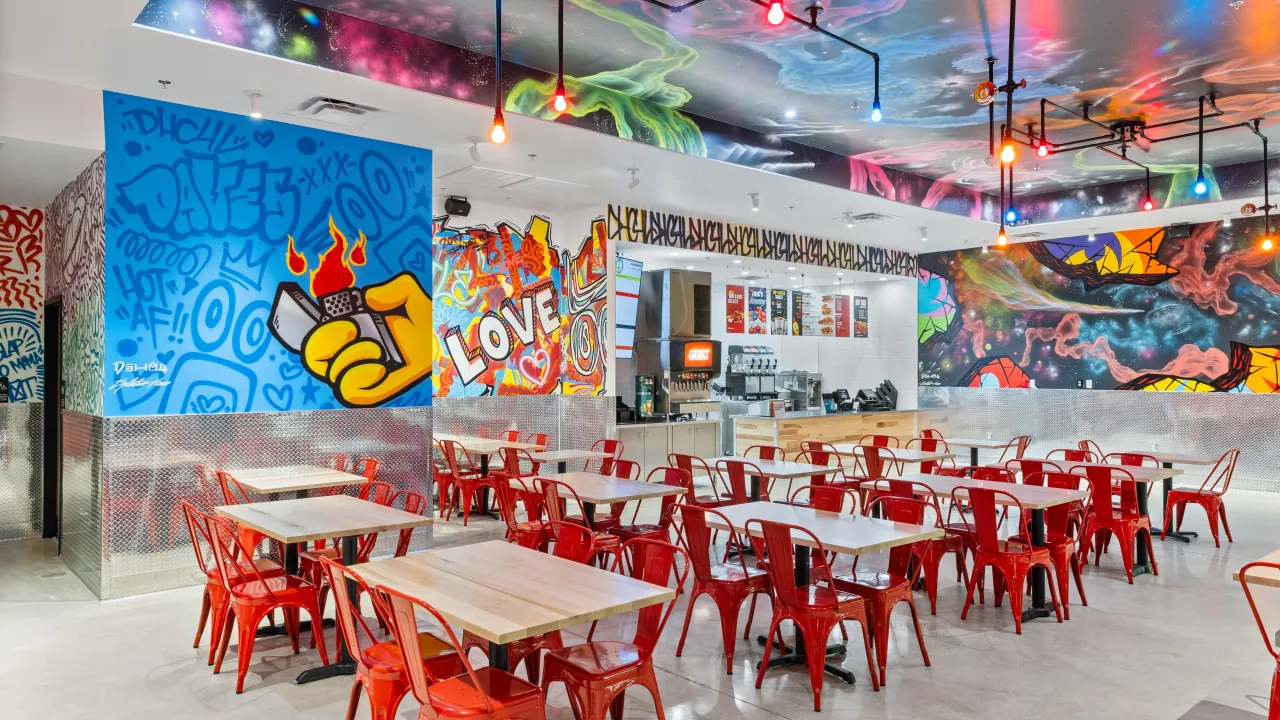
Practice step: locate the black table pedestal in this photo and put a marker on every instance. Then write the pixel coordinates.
(1039, 575)
(345, 664)
(797, 655)
(1184, 536)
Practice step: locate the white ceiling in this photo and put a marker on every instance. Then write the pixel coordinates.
(33, 173)
(97, 47)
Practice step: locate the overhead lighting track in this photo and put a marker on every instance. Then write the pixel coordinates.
(1117, 138)
(775, 10)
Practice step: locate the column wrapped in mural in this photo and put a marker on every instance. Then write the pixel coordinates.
(1146, 309)
(22, 267)
(261, 266)
(518, 312)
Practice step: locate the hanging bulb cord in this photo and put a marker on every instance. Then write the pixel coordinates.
(561, 48)
(1256, 126)
(497, 65)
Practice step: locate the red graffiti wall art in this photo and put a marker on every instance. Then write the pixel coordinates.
(22, 301)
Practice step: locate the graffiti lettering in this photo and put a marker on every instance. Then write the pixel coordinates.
(214, 135)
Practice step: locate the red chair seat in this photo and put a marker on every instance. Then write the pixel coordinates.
(281, 586)
(818, 596)
(264, 566)
(873, 580)
(438, 654)
(459, 697)
(599, 657)
(314, 555)
(730, 572)
(645, 530)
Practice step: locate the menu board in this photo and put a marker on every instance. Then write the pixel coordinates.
(842, 315)
(735, 305)
(860, 317)
(797, 312)
(628, 299)
(778, 324)
(757, 311)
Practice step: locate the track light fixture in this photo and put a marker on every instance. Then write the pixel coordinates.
(1226, 220)
(255, 104)
(755, 201)
(498, 131)
(560, 102)
(634, 180)
(1092, 236)
(475, 149)
(924, 234)
(848, 219)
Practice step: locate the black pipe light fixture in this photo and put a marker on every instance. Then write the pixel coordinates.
(560, 101)
(776, 13)
(1118, 137)
(498, 131)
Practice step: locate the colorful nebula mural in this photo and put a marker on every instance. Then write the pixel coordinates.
(1146, 309)
(515, 313)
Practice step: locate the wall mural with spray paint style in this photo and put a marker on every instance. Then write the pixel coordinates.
(519, 312)
(652, 227)
(262, 266)
(22, 301)
(1135, 310)
(75, 228)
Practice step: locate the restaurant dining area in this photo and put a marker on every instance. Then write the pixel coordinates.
(632, 359)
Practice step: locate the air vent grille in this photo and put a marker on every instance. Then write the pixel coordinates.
(333, 110)
(864, 218)
(1030, 235)
(492, 178)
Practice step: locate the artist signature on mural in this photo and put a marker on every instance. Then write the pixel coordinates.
(139, 368)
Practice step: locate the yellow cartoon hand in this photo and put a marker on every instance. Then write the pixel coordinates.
(356, 368)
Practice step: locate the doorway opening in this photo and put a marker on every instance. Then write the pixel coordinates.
(51, 521)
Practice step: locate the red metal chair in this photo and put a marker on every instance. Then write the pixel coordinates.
(519, 462)
(1032, 471)
(571, 542)
(674, 477)
(414, 502)
(555, 497)
(1092, 448)
(765, 452)
(511, 435)
(735, 474)
(610, 446)
(252, 595)
(465, 481)
(954, 541)
(1273, 708)
(1070, 455)
(816, 610)
(693, 464)
(728, 584)
(1208, 496)
(368, 467)
(879, 461)
(233, 493)
(214, 602)
(1058, 537)
(881, 591)
(931, 433)
(380, 670)
(816, 457)
(1113, 509)
(528, 534)
(597, 673)
(540, 439)
(472, 694)
(1010, 560)
(1018, 446)
(880, 441)
(929, 444)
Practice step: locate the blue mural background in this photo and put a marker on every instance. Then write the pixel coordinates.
(200, 209)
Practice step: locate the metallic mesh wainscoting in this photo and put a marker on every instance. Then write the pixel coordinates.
(573, 421)
(147, 470)
(21, 470)
(82, 493)
(1209, 423)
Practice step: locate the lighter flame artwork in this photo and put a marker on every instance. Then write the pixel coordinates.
(369, 344)
(516, 315)
(1131, 310)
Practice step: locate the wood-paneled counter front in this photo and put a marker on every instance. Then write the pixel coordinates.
(788, 431)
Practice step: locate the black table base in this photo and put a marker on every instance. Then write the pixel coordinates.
(1141, 559)
(499, 656)
(1169, 532)
(345, 664)
(797, 655)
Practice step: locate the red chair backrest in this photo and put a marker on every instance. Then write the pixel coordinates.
(1092, 448)
(512, 435)
(504, 496)
(609, 446)
(1105, 483)
(986, 523)
(912, 510)
(350, 623)
(1248, 593)
(931, 433)
(514, 459)
(696, 539)
(1219, 479)
(377, 492)
(735, 473)
(553, 494)
(674, 477)
(1057, 518)
(1032, 470)
(404, 622)
(368, 467)
(828, 498)
(1070, 455)
(990, 474)
(765, 452)
(626, 470)
(571, 541)
(1019, 447)
(453, 453)
(339, 462)
(198, 531)
(540, 439)
(655, 562)
(878, 459)
(414, 502)
(811, 446)
(1131, 459)
(819, 457)
(929, 444)
(780, 549)
(233, 493)
(883, 441)
(227, 548)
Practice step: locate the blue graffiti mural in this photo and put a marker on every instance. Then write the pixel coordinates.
(256, 266)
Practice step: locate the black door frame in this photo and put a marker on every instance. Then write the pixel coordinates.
(51, 521)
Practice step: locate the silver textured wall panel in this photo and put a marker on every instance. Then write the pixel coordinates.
(1207, 423)
(21, 470)
(82, 493)
(147, 470)
(572, 421)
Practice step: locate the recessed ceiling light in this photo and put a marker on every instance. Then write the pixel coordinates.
(751, 282)
(795, 286)
(884, 279)
(675, 253)
(793, 278)
(839, 274)
(744, 272)
(688, 267)
(737, 262)
(793, 267)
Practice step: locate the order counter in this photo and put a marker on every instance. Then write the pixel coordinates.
(789, 430)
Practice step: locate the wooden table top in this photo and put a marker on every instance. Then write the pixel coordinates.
(1177, 458)
(1141, 474)
(601, 489)
(850, 534)
(1032, 497)
(901, 454)
(307, 519)
(569, 455)
(503, 592)
(784, 470)
(980, 444)
(485, 446)
(291, 478)
(1262, 576)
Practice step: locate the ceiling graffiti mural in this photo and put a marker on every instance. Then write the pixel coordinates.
(1145, 309)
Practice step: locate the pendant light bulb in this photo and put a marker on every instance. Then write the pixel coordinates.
(1268, 244)
(1201, 187)
(1002, 239)
(498, 133)
(1011, 215)
(1148, 204)
(776, 14)
(1042, 150)
(560, 103)
(1007, 154)
(876, 115)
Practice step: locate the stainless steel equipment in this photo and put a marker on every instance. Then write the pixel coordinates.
(804, 388)
(751, 371)
(673, 339)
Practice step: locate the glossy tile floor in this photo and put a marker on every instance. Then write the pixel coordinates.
(1181, 645)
